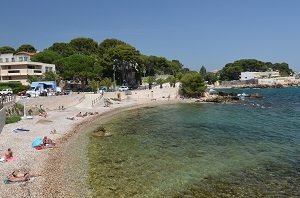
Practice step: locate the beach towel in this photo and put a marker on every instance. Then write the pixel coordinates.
(19, 130)
(37, 142)
(11, 159)
(7, 181)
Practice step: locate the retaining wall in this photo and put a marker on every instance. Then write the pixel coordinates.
(2, 118)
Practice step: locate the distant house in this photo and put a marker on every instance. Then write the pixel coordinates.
(16, 67)
(259, 75)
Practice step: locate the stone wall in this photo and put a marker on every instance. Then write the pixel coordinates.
(2, 118)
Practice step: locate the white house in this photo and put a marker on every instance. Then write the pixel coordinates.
(16, 67)
(259, 75)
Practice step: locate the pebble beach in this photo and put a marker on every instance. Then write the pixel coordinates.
(59, 166)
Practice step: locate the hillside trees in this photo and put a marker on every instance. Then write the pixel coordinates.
(84, 46)
(160, 65)
(7, 50)
(121, 60)
(231, 71)
(64, 49)
(80, 68)
(111, 58)
(46, 56)
(26, 48)
(283, 69)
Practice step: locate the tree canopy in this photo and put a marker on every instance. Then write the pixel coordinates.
(232, 71)
(192, 84)
(64, 49)
(46, 56)
(80, 67)
(84, 46)
(26, 48)
(7, 50)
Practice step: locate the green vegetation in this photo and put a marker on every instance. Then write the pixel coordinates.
(26, 48)
(193, 85)
(99, 64)
(12, 119)
(7, 50)
(160, 81)
(232, 71)
(15, 86)
(48, 76)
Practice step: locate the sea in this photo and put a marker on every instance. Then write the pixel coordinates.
(249, 148)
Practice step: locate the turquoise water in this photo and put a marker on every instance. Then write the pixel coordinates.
(246, 149)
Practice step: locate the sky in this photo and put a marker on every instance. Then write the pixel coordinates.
(208, 33)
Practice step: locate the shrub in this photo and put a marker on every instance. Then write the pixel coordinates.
(12, 119)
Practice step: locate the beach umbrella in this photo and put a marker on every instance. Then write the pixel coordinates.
(37, 142)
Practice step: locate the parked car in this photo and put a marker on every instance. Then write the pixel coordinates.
(67, 91)
(6, 92)
(123, 88)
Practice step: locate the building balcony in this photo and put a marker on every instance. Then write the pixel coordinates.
(20, 72)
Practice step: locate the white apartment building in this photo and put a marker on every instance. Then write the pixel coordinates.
(259, 75)
(16, 67)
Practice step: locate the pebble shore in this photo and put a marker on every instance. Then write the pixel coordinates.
(64, 168)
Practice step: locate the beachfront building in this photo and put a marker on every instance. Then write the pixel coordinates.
(16, 67)
(259, 75)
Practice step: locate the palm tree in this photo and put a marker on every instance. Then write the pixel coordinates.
(150, 80)
(160, 81)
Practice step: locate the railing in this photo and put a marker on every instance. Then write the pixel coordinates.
(6, 100)
(97, 100)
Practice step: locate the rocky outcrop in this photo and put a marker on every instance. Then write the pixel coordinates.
(222, 99)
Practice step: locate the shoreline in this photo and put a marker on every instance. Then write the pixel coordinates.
(62, 169)
(51, 163)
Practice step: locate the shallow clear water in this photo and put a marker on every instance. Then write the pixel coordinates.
(247, 149)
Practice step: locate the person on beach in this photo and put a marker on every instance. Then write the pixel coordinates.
(7, 156)
(85, 114)
(47, 142)
(18, 176)
(79, 115)
(53, 131)
(43, 114)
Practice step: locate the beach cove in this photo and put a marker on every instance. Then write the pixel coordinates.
(170, 150)
(32, 160)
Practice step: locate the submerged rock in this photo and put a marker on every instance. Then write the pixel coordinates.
(101, 132)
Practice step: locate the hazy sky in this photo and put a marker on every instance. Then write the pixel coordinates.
(196, 32)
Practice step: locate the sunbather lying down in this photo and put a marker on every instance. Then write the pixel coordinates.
(18, 176)
(47, 142)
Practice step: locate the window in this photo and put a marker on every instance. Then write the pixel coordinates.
(48, 69)
(1, 60)
(25, 58)
(37, 71)
(20, 59)
(12, 59)
(31, 67)
(14, 71)
(6, 60)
